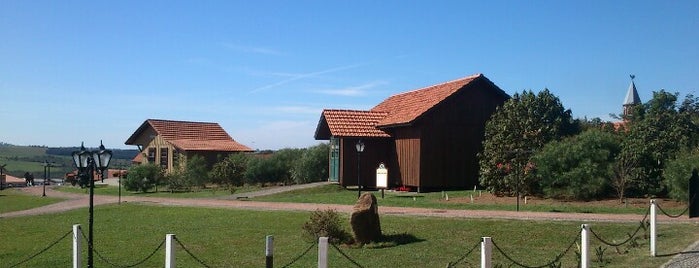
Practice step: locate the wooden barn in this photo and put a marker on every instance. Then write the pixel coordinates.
(170, 143)
(427, 138)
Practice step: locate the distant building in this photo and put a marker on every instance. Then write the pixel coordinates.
(427, 138)
(632, 99)
(170, 143)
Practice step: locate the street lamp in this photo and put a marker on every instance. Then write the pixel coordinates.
(87, 162)
(360, 148)
(47, 166)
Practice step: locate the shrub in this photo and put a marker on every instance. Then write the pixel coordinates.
(325, 223)
(230, 172)
(312, 166)
(579, 167)
(143, 177)
(677, 174)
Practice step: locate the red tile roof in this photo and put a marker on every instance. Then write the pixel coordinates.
(397, 110)
(406, 107)
(353, 123)
(191, 136)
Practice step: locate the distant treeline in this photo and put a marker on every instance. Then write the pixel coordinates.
(116, 153)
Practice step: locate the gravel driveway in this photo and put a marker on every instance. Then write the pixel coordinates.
(74, 201)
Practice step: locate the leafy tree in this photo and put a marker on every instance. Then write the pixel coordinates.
(275, 168)
(230, 172)
(578, 167)
(193, 174)
(313, 165)
(677, 174)
(524, 124)
(143, 177)
(658, 131)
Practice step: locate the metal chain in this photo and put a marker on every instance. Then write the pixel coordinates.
(679, 215)
(132, 265)
(43, 250)
(558, 257)
(190, 253)
(300, 256)
(451, 264)
(640, 226)
(347, 257)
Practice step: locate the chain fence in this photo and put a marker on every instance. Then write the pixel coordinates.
(190, 253)
(673, 216)
(462, 258)
(300, 256)
(642, 225)
(346, 256)
(41, 251)
(99, 255)
(549, 264)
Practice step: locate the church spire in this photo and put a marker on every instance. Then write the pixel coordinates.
(632, 97)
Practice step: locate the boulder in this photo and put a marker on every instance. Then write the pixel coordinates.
(365, 219)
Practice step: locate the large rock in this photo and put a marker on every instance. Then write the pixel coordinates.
(365, 219)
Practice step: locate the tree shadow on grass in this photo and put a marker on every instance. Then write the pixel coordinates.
(393, 240)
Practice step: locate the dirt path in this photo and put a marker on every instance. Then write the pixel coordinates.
(75, 201)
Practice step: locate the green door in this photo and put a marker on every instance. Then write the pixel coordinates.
(334, 159)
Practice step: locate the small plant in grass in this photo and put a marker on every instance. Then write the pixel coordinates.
(599, 252)
(325, 223)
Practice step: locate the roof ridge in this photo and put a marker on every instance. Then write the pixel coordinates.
(473, 76)
(180, 121)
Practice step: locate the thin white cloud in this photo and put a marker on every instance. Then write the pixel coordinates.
(304, 76)
(354, 91)
(251, 49)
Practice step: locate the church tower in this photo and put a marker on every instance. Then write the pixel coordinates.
(631, 99)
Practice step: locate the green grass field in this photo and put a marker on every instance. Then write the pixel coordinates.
(127, 233)
(13, 200)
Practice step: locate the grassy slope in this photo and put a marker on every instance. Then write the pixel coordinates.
(335, 194)
(13, 200)
(235, 238)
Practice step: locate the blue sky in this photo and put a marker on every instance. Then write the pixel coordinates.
(73, 71)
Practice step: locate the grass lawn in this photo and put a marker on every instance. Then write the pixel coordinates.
(103, 189)
(125, 234)
(335, 194)
(14, 200)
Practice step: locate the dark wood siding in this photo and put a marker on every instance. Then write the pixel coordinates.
(376, 151)
(453, 135)
(407, 142)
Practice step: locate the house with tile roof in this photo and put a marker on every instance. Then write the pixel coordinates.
(170, 143)
(427, 138)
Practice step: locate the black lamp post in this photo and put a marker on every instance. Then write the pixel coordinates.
(47, 175)
(360, 148)
(87, 162)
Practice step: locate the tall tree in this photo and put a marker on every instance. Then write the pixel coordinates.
(515, 131)
(658, 131)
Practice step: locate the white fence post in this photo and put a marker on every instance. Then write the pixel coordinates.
(77, 246)
(486, 252)
(169, 251)
(269, 252)
(322, 252)
(584, 246)
(652, 227)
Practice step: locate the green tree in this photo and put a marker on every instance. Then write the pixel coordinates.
(313, 165)
(230, 172)
(193, 174)
(677, 174)
(658, 131)
(143, 177)
(524, 124)
(578, 167)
